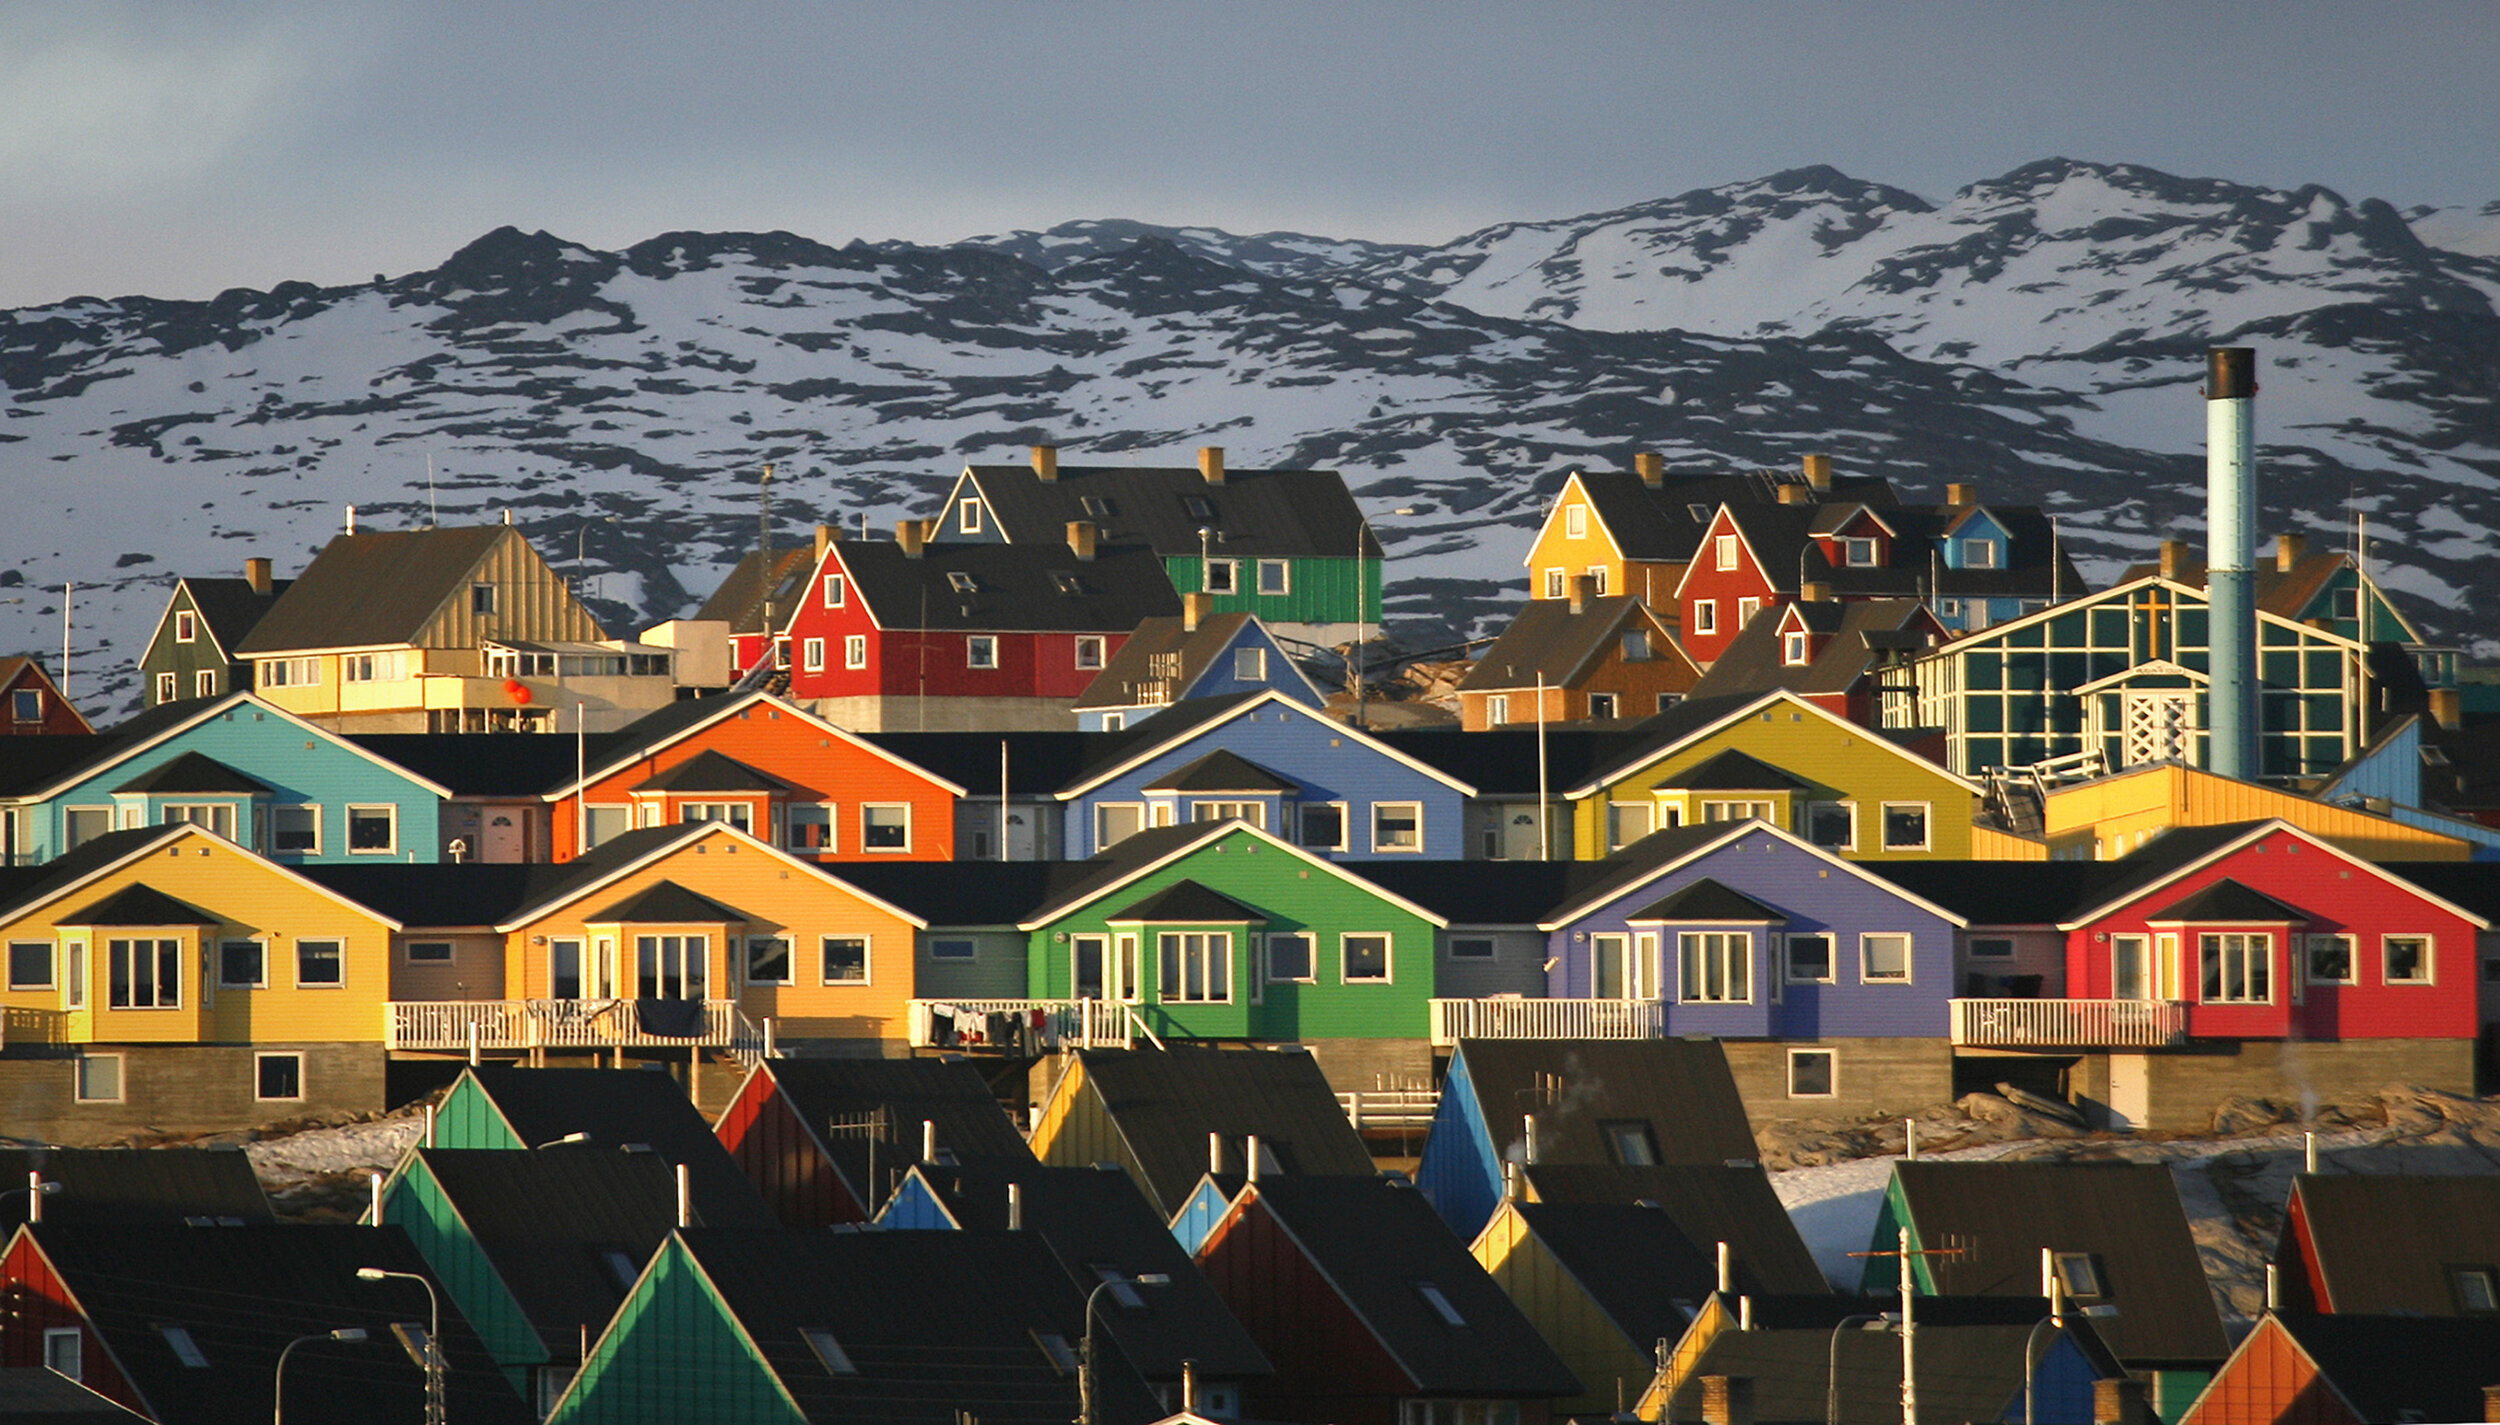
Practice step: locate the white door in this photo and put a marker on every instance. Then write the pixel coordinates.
(2156, 727)
(505, 837)
(2130, 1090)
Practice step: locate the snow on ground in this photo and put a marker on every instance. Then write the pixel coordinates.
(323, 1152)
(1834, 1206)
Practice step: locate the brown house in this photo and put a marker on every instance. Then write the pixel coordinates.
(1584, 657)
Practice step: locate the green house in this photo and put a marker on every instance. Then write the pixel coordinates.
(1217, 930)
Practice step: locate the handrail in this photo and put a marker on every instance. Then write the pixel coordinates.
(2080, 1023)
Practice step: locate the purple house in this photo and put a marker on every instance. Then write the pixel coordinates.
(1829, 983)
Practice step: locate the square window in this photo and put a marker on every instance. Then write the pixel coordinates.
(1832, 825)
(2237, 968)
(1813, 1073)
(1630, 1141)
(1809, 959)
(278, 1077)
(1250, 665)
(2408, 959)
(99, 1078)
(885, 826)
(1223, 576)
(1473, 947)
(294, 831)
(1089, 651)
(186, 627)
(1884, 959)
(1979, 553)
(320, 963)
(768, 960)
(1115, 822)
(808, 828)
(1601, 705)
(1857, 552)
(1905, 826)
(1322, 826)
(1366, 959)
(1397, 826)
(855, 651)
(1197, 966)
(373, 829)
(1288, 957)
(845, 959)
(2330, 960)
(30, 964)
(1716, 965)
(981, 651)
(835, 592)
(481, 599)
(242, 965)
(1273, 577)
(143, 974)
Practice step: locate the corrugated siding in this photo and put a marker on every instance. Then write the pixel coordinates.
(1318, 589)
(2268, 1382)
(531, 603)
(1584, 1336)
(2114, 812)
(673, 1354)
(416, 1205)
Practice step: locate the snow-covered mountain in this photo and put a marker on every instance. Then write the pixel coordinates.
(2039, 334)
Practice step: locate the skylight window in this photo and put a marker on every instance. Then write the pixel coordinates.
(186, 1350)
(1096, 506)
(621, 1266)
(828, 1350)
(1440, 1304)
(1066, 583)
(1118, 1281)
(961, 582)
(2077, 1273)
(1055, 1346)
(1199, 507)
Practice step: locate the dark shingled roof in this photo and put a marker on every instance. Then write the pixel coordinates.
(1639, 862)
(22, 886)
(1223, 770)
(739, 601)
(1015, 587)
(1094, 1220)
(1165, 1102)
(136, 1185)
(1707, 899)
(39, 1395)
(711, 771)
(1547, 639)
(2002, 892)
(1847, 639)
(1373, 1239)
(2159, 859)
(27, 763)
(2228, 900)
(1734, 771)
(488, 764)
(1503, 761)
(2388, 1243)
(909, 1092)
(2400, 1367)
(1681, 1089)
(1709, 1203)
(1274, 514)
(378, 588)
(1659, 525)
(1644, 1273)
(620, 1106)
(441, 893)
(1037, 763)
(193, 772)
(667, 903)
(139, 905)
(943, 894)
(1106, 750)
(2126, 1215)
(1970, 1360)
(231, 607)
(1186, 902)
(1480, 892)
(1121, 682)
(1130, 856)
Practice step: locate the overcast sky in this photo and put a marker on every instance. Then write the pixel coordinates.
(177, 149)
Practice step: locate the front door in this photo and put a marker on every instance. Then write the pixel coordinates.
(504, 839)
(2130, 1091)
(2157, 724)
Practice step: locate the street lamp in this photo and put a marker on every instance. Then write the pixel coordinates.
(433, 1337)
(1355, 660)
(2031, 1344)
(579, 535)
(1868, 1320)
(277, 1385)
(560, 1142)
(1085, 1360)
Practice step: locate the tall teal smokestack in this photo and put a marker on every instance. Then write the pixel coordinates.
(2231, 534)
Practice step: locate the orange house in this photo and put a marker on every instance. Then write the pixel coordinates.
(767, 768)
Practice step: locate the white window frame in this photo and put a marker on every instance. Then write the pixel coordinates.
(1796, 647)
(1089, 652)
(1102, 841)
(981, 650)
(1603, 706)
(1857, 551)
(303, 1090)
(1847, 808)
(867, 843)
(1388, 958)
(1575, 520)
(160, 990)
(1745, 610)
(1926, 826)
(72, 1362)
(301, 942)
(1310, 958)
(186, 626)
(968, 516)
(832, 823)
(736, 815)
(390, 812)
(51, 962)
(1497, 709)
(746, 960)
(1740, 961)
(1705, 615)
(121, 1078)
(1909, 957)
(168, 688)
(835, 593)
(204, 683)
(1724, 550)
(867, 960)
(1379, 846)
(855, 650)
(260, 981)
(1229, 583)
(1979, 554)
(1597, 580)
(1830, 1055)
(69, 824)
(2221, 945)
(1279, 586)
(2352, 959)
(1250, 665)
(2386, 962)
(812, 655)
(1831, 958)
(1556, 584)
(1620, 812)
(1212, 947)
(1302, 837)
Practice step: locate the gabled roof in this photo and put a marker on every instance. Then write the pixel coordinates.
(2400, 1367)
(19, 666)
(1164, 1103)
(629, 851)
(1112, 753)
(1143, 853)
(1656, 737)
(1272, 514)
(140, 905)
(1851, 637)
(1707, 900)
(1375, 1240)
(1223, 770)
(364, 590)
(1658, 525)
(1680, 1089)
(192, 772)
(1546, 640)
(711, 771)
(1035, 763)
(439, 894)
(941, 894)
(1006, 588)
(666, 726)
(1970, 1360)
(1482, 892)
(617, 1107)
(2283, 593)
(133, 1185)
(2180, 850)
(739, 600)
(22, 890)
(39, 1395)
(1631, 1260)
(473, 764)
(1709, 1203)
(231, 608)
(2002, 892)
(1734, 771)
(667, 903)
(1661, 851)
(2389, 1243)
(1187, 903)
(2228, 901)
(908, 1093)
(35, 768)
(1119, 683)
(2127, 1216)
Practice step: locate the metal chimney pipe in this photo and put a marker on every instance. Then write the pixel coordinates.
(1727, 1270)
(377, 1199)
(1250, 1157)
(1531, 1132)
(1215, 1152)
(2231, 538)
(34, 1195)
(1015, 1207)
(2274, 1288)
(685, 1196)
(928, 1140)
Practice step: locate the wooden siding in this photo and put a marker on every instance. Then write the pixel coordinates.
(1516, 967)
(1318, 588)
(2113, 815)
(40, 1301)
(468, 1118)
(1460, 1172)
(414, 1203)
(1200, 1214)
(782, 1158)
(1609, 1364)
(1329, 1364)
(675, 1353)
(186, 661)
(2269, 1381)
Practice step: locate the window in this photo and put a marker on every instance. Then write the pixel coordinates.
(604, 824)
(835, 594)
(1366, 959)
(100, 1078)
(1115, 822)
(1720, 809)
(1497, 710)
(186, 627)
(429, 952)
(1223, 576)
(1716, 965)
(1793, 649)
(1057, 1351)
(30, 964)
(846, 959)
(373, 667)
(2237, 967)
(143, 974)
(290, 672)
(2408, 959)
(952, 950)
(1554, 584)
(1113, 722)
(1630, 1141)
(564, 969)
(1636, 646)
(168, 688)
(63, 1345)
(2330, 960)
(1723, 549)
(1884, 959)
(1322, 826)
(808, 827)
(1095, 506)
(1089, 651)
(812, 655)
(1809, 959)
(81, 825)
(1905, 826)
(829, 1352)
(737, 814)
(671, 966)
(968, 516)
(1197, 966)
(962, 582)
(1474, 947)
(1857, 551)
(1597, 580)
(204, 683)
(1250, 665)
(1397, 826)
(320, 963)
(885, 826)
(1601, 705)
(1813, 1073)
(2347, 604)
(1288, 957)
(208, 816)
(1575, 521)
(1254, 813)
(1439, 1301)
(277, 1078)
(1979, 554)
(1627, 822)
(1995, 947)
(2475, 1296)
(1705, 616)
(242, 965)
(768, 960)
(1745, 610)
(295, 831)
(855, 651)
(481, 599)
(373, 829)
(2078, 1274)
(1273, 577)
(981, 651)
(1832, 825)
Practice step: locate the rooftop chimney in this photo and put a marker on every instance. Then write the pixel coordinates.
(1796, 495)
(256, 574)
(2119, 1401)
(1814, 591)
(910, 534)
(1046, 463)
(1250, 1157)
(928, 1140)
(1727, 1400)
(2448, 706)
(2231, 537)
(1015, 1207)
(2174, 560)
(1958, 495)
(1652, 468)
(685, 1196)
(824, 540)
(2491, 1403)
(1215, 1152)
(1195, 610)
(1211, 463)
(1581, 586)
(2288, 548)
(1082, 536)
(1819, 473)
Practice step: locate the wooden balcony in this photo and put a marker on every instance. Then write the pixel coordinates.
(1456, 1019)
(500, 1026)
(1084, 1023)
(2069, 1023)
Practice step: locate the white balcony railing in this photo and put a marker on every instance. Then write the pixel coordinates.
(2069, 1023)
(509, 1024)
(1085, 1023)
(1390, 1110)
(1456, 1019)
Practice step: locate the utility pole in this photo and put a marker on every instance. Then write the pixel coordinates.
(1904, 1254)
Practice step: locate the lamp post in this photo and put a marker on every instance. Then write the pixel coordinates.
(2031, 1345)
(36, 1191)
(277, 1385)
(433, 1337)
(1085, 1357)
(1870, 1320)
(1354, 659)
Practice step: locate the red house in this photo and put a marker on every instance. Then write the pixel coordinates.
(910, 636)
(31, 703)
(825, 1140)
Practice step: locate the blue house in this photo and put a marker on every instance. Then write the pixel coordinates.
(1262, 757)
(1201, 654)
(239, 766)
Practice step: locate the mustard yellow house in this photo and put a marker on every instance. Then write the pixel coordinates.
(1840, 786)
(2107, 817)
(164, 977)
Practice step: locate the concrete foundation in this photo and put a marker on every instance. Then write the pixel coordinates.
(180, 1089)
(1869, 1076)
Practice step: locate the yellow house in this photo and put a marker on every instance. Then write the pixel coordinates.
(2107, 817)
(1845, 788)
(166, 977)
